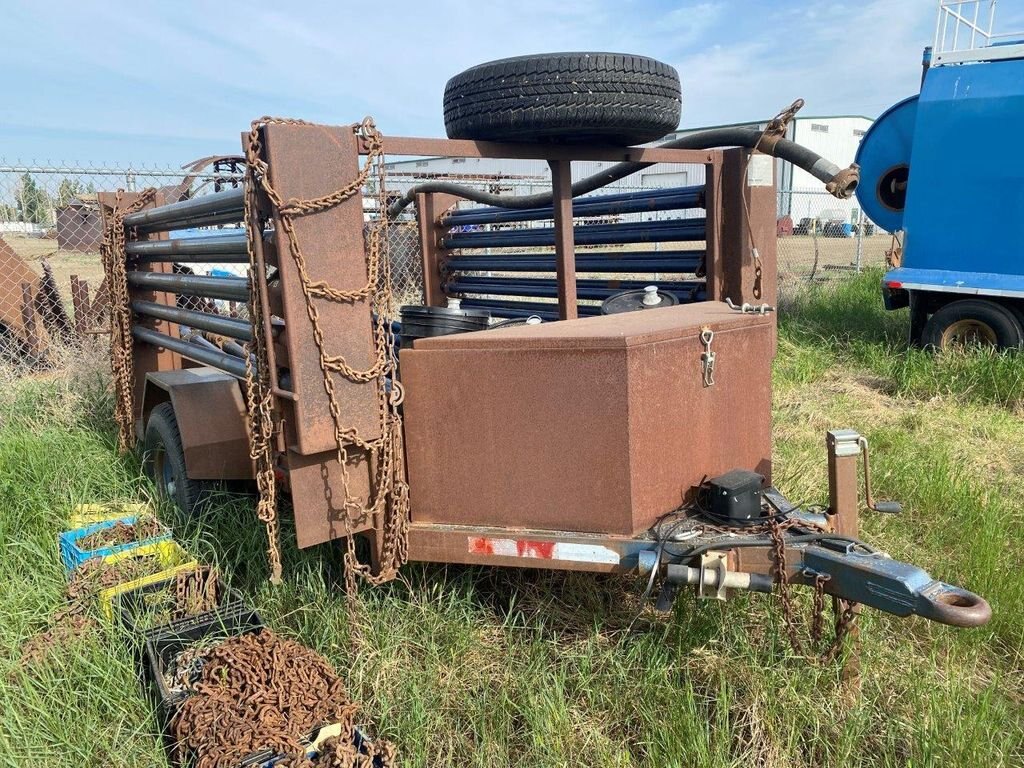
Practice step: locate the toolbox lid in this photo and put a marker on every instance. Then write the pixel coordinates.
(618, 331)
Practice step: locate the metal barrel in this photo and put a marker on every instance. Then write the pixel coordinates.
(600, 234)
(204, 321)
(638, 261)
(220, 208)
(229, 249)
(676, 198)
(548, 288)
(199, 354)
(228, 288)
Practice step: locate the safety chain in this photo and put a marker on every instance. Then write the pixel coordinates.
(389, 507)
(845, 611)
(112, 252)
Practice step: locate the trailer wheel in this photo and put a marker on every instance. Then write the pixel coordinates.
(164, 462)
(972, 322)
(603, 98)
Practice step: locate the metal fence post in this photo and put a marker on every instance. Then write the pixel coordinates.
(860, 241)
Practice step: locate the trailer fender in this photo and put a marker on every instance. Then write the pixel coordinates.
(210, 412)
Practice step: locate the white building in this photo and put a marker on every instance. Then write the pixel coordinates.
(834, 137)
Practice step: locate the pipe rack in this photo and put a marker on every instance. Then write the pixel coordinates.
(221, 360)
(678, 230)
(219, 208)
(227, 288)
(680, 198)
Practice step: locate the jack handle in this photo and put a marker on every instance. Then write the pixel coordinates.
(886, 507)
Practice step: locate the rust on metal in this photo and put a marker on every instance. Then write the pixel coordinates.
(843, 503)
(308, 161)
(146, 358)
(741, 217)
(13, 273)
(318, 496)
(28, 319)
(591, 425)
(430, 208)
(565, 253)
(211, 416)
(80, 305)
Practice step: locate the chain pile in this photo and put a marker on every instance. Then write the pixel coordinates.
(261, 692)
(112, 251)
(196, 591)
(389, 507)
(145, 527)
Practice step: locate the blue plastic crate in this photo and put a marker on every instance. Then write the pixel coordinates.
(73, 555)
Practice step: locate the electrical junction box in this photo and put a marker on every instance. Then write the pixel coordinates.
(736, 495)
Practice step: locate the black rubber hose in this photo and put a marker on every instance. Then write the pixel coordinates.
(840, 182)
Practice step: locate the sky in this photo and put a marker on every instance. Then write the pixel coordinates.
(161, 83)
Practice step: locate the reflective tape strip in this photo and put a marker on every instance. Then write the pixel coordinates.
(544, 550)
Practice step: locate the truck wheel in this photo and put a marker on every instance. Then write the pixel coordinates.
(164, 462)
(972, 322)
(603, 98)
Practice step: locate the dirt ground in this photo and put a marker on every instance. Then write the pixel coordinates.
(65, 263)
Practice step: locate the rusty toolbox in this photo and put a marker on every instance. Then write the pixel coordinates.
(600, 424)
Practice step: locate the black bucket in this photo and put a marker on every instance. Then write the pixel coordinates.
(424, 322)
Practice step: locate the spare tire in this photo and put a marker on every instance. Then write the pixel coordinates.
(595, 98)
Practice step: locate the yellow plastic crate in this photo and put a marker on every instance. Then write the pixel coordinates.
(172, 557)
(87, 514)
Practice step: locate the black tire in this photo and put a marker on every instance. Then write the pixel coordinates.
(164, 462)
(603, 98)
(972, 321)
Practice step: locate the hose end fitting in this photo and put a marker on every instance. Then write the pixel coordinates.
(844, 183)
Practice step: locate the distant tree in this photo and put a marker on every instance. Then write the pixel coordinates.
(68, 190)
(33, 202)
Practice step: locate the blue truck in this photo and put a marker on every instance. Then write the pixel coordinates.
(944, 171)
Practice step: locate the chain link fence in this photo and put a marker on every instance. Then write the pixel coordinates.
(822, 241)
(51, 277)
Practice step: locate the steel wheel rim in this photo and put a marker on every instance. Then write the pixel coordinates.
(166, 479)
(969, 332)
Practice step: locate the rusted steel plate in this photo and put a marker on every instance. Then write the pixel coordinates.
(308, 161)
(317, 489)
(13, 273)
(595, 425)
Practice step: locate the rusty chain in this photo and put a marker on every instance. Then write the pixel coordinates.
(773, 131)
(389, 508)
(260, 691)
(196, 591)
(112, 252)
(844, 619)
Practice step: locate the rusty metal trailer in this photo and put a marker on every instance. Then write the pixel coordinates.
(582, 443)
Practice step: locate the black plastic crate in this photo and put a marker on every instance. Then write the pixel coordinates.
(136, 608)
(164, 644)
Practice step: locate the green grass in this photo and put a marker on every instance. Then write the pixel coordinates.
(479, 667)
